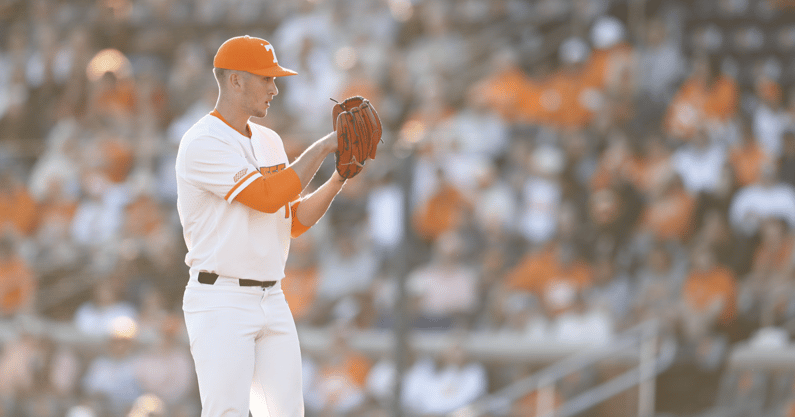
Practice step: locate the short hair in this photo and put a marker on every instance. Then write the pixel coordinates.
(220, 74)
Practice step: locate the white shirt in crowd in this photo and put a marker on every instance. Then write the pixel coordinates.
(428, 390)
(756, 202)
(700, 168)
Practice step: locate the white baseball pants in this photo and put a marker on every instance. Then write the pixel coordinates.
(245, 347)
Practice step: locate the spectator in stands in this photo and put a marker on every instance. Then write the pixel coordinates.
(446, 287)
(612, 216)
(766, 288)
(611, 72)
(768, 198)
(612, 291)
(19, 367)
(541, 194)
(660, 64)
(64, 372)
(301, 289)
(654, 166)
(521, 316)
(442, 387)
(340, 381)
(700, 163)
(97, 316)
(59, 163)
(708, 97)
(17, 280)
(568, 98)
(111, 376)
(100, 215)
(709, 295)
(18, 209)
(787, 161)
(445, 210)
(165, 369)
(771, 118)
(617, 162)
(747, 157)
(507, 89)
(714, 230)
(555, 274)
(582, 322)
(384, 211)
(321, 79)
(659, 283)
(496, 202)
(152, 310)
(669, 214)
(346, 270)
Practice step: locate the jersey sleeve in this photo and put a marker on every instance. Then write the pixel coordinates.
(217, 167)
(296, 229)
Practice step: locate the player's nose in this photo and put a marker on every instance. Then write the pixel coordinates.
(272, 89)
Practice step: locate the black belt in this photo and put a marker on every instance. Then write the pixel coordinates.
(210, 278)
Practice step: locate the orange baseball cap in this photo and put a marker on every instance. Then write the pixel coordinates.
(254, 55)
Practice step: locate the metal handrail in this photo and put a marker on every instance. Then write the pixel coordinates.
(644, 335)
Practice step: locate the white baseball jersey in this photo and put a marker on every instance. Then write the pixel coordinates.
(214, 163)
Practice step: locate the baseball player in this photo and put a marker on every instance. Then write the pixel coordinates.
(239, 204)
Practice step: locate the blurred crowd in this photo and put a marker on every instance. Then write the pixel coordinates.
(570, 169)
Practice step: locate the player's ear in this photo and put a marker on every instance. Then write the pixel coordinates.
(236, 79)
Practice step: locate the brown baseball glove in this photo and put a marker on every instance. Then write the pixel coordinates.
(358, 133)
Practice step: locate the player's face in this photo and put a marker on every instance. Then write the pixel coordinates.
(260, 91)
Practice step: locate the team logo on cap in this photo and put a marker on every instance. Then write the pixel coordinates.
(270, 49)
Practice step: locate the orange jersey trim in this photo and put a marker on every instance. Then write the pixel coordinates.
(268, 195)
(297, 228)
(218, 115)
(235, 187)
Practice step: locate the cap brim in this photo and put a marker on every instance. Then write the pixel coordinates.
(276, 71)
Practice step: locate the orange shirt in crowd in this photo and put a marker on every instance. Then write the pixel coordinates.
(19, 211)
(609, 169)
(300, 290)
(441, 213)
(143, 217)
(17, 285)
(701, 289)
(773, 257)
(722, 99)
(537, 271)
(671, 216)
(62, 211)
(118, 98)
(695, 103)
(603, 64)
(353, 367)
(747, 163)
(342, 374)
(118, 159)
(564, 98)
(507, 92)
(361, 87)
(529, 109)
(649, 172)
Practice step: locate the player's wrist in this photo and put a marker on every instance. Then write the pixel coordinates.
(337, 178)
(330, 142)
